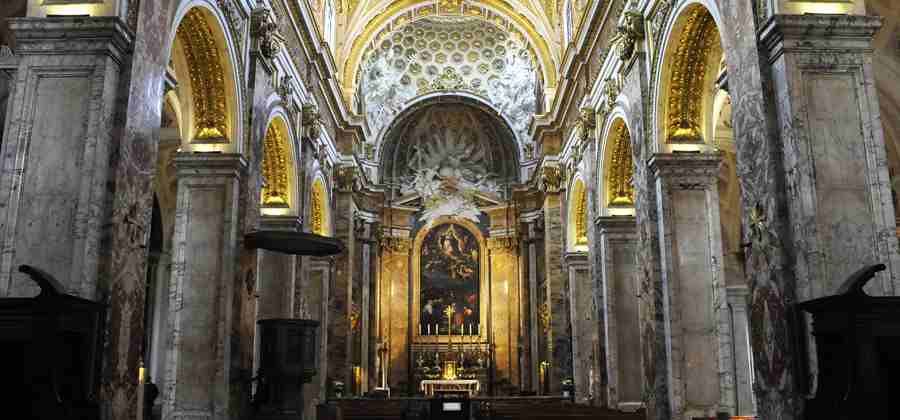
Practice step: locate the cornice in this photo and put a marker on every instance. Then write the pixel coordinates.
(106, 35)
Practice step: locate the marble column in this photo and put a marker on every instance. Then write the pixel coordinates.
(532, 282)
(57, 150)
(617, 243)
(559, 337)
(504, 314)
(201, 298)
(839, 194)
(738, 298)
(584, 324)
(364, 334)
(700, 382)
(394, 301)
(340, 294)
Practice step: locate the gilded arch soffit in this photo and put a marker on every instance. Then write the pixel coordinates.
(207, 78)
(579, 211)
(686, 74)
(618, 169)
(376, 16)
(276, 165)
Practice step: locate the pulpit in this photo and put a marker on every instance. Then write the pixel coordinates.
(50, 352)
(858, 350)
(287, 361)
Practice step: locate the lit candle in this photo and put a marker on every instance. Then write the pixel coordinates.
(429, 329)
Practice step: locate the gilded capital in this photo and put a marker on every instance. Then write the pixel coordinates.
(551, 178)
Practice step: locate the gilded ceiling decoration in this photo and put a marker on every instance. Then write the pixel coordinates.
(450, 54)
(207, 78)
(275, 166)
(688, 72)
(619, 188)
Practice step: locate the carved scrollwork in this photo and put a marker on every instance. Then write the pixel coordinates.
(551, 178)
(264, 29)
(311, 121)
(345, 178)
(395, 244)
(629, 32)
(503, 244)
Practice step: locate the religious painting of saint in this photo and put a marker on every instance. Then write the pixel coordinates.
(450, 283)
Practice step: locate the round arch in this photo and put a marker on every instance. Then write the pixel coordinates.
(279, 168)
(205, 60)
(615, 190)
(320, 207)
(689, 64)
(505, 152)
(577, 220)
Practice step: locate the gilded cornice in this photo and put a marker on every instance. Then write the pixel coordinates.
(395, 244)
(506, 244)
(207, 77)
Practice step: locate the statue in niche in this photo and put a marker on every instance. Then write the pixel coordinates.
(450, 280)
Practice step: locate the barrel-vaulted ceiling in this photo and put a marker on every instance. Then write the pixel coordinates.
(359, 23)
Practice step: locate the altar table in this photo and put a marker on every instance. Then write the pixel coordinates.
(429, 386)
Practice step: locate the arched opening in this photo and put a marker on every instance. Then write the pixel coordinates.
(202, 71)
(617, 170)
(578, 217)
(687, 85)
(278, 170)
(319, 214)
(694, 115)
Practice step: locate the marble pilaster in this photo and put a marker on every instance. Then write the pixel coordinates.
(559, 334)
(699, 381)
(340, 294)
(617, 243)
(56, 151)
(744, 403)
(535, 329)
(504, 315)
(201, 290)
(839, 193)
(584, 324)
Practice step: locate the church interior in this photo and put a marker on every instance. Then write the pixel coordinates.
(450, 209)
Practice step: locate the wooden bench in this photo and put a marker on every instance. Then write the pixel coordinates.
(541, 410)
(370, 409)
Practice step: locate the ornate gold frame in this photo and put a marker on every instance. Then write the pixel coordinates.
(484, 286)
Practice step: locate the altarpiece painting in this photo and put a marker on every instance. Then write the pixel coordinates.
(450, 282)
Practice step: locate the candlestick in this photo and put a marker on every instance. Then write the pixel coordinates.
(429, 329)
